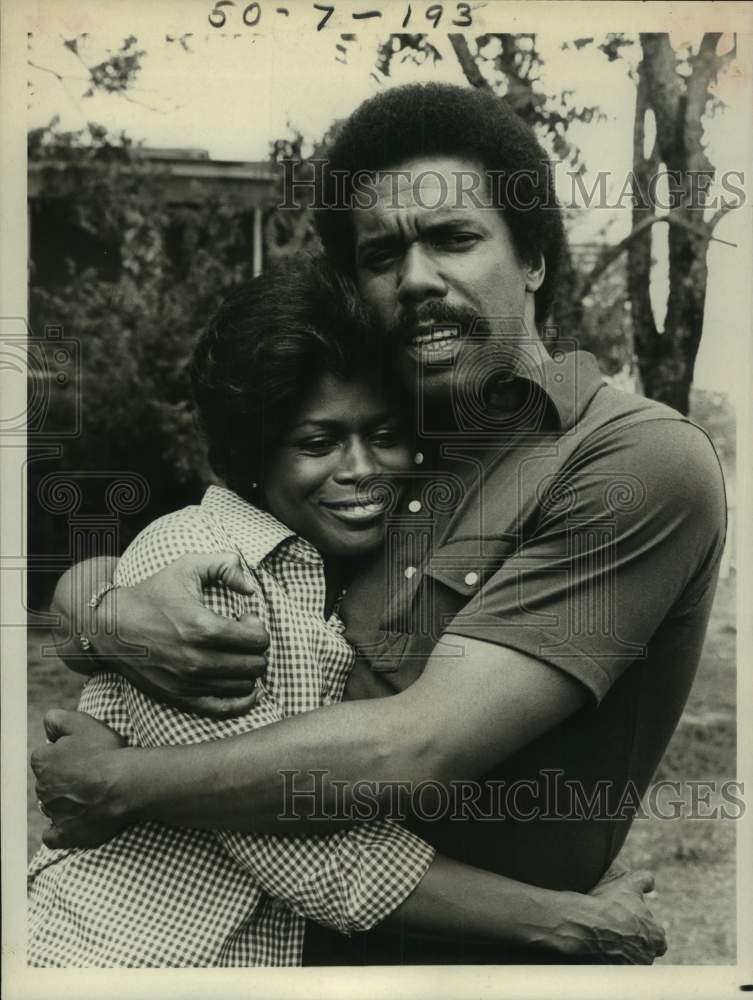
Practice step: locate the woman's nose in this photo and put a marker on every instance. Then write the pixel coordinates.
(357, 461)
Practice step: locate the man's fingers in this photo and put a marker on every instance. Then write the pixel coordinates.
(225, 668)
(218, 708)
(221, 687)
(616, 870)
(220, 567)
(215, 632)
(641, 881)
(660, 943)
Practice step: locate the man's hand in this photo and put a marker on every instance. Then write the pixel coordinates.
(194, 659)
(612, 924)
(74, 783)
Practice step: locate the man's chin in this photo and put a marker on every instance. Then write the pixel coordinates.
(435, 387)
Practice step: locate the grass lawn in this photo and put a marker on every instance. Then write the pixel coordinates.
(693, 859)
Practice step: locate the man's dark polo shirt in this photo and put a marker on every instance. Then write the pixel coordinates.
(587, 536)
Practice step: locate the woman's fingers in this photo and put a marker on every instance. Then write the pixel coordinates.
(58, 722)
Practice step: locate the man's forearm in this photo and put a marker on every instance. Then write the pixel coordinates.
(281, 778)
(436, 730)
(70, 604)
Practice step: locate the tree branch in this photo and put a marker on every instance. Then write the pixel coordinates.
(468, 64)
(610, 254)
(717, 217)
(58, 76)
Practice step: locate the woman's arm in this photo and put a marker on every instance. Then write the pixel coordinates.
(70, 604)
(610, 925)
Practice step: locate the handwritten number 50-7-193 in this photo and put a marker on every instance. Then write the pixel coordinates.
(458, 15)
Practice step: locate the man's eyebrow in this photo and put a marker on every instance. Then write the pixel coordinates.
(450, 225)
(434, 225)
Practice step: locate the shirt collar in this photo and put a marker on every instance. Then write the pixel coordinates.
(255, 532)
(570, 380)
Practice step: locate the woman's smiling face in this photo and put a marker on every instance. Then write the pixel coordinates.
(344, 431)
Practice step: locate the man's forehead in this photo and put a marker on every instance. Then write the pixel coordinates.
(425, 191)
(429, 183)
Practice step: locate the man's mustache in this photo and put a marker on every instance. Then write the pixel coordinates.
(409, 321)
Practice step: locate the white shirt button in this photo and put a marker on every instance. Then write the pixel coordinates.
(414, 506)
(410, 572)
(418, 457)
(471, 578)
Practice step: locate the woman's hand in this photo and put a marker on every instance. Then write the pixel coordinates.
(612, 924)
(163, 639)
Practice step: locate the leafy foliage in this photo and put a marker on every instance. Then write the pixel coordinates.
(135, 302)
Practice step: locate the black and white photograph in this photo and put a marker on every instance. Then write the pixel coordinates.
(376, 488)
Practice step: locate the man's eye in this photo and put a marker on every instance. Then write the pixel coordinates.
(457, 241)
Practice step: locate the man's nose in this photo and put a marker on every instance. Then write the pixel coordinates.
(419, 278)
(357, 461)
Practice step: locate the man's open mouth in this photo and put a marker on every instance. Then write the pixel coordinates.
(437, 343)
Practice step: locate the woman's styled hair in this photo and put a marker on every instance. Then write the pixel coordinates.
(265, 349)
(433, 120)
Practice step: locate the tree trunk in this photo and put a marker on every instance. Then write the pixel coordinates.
(666, 359)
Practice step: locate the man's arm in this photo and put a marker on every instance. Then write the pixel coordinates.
(464, 713)
(452, 723)
(609, 925)
(159, 635)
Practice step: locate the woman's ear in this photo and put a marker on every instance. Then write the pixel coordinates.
(535, 274)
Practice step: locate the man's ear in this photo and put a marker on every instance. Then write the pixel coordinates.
(535, 274)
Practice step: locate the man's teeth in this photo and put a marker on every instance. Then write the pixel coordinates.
(439, 335)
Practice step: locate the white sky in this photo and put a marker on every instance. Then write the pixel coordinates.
(234, 95)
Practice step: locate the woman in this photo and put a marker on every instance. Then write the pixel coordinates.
(290, 386)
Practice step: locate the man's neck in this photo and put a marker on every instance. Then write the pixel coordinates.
(504, 399)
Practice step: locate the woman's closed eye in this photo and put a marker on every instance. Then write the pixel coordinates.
(387, 437)
(321, 444)
(376, 260)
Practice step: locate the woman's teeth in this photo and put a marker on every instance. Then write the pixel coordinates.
(348, 511)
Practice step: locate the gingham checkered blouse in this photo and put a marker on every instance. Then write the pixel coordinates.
(157, 895)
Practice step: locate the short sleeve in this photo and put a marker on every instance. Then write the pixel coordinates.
(628, 534)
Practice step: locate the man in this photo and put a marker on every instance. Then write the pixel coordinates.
(540, 609)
